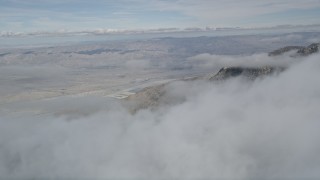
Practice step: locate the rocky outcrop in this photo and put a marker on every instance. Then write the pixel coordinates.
(313, 48)
(250, 73)
(284, 50)
(300, 50)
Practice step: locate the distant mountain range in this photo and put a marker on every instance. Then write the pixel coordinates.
(104, 31)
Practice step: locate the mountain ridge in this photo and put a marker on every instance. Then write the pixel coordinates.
(150, 97)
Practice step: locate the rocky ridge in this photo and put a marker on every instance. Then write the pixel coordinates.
(151, 97)
(250, 73)
(300, 50)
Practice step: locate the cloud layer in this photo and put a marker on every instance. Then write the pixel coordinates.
(264, 129)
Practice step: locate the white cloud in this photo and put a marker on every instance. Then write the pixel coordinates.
(264, 129)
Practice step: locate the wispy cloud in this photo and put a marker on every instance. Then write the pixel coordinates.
(268, 128)
(73, 14)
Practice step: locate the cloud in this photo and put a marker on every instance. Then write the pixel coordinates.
(264, 129)
(37, 15)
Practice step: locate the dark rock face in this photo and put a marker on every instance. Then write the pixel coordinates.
(301, 50)
(284, 50)
(313, 48)
(247, 72)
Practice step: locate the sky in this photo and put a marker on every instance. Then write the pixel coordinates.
(74, 15)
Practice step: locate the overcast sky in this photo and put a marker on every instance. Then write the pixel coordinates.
(52, 15)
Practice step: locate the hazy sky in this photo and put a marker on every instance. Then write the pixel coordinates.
(52, 15)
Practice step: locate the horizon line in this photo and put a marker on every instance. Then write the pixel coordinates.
(110, 31)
